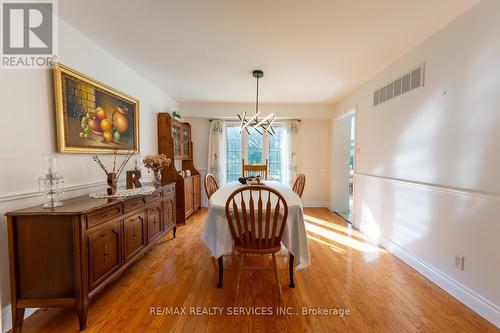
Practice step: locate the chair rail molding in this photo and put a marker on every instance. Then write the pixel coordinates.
(435, 187)
(70, 189)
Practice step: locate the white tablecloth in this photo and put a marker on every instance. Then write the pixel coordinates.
(217, 237)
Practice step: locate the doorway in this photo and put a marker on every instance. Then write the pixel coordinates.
(344, 135)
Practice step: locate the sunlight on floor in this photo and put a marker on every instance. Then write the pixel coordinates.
(348, 229)
(326, 232)
(331, 246)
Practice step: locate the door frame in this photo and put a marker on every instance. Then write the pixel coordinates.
(351, 112)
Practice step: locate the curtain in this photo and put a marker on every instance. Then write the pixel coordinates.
(217, 151)
(291, 151)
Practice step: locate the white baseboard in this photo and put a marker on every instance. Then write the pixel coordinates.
(7, 317)
(481, 306)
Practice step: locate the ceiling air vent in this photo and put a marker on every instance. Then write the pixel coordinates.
(403, 84)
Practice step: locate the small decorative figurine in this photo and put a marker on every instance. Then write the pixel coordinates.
(134, 176)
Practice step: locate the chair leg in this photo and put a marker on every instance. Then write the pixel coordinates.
(238, 275)
(276, 274)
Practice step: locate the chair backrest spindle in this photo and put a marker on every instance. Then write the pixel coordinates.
(257, 223)
(254, 169)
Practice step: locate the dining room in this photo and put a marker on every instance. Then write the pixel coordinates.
(249, 166)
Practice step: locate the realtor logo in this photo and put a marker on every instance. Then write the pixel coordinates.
(28, 34)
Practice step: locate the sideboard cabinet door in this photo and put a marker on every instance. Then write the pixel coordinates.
(154, 221)
(188, 196)
(134, 235)
(196, 192)
(169, 212)
(104, 253)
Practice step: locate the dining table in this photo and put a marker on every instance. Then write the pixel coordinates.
(217, 236)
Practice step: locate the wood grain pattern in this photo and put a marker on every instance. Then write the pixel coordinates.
(347, 271)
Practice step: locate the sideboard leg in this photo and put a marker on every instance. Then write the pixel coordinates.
(17, 319)
(290, 268)
(82, 316)
(175, 230)
(221, 271)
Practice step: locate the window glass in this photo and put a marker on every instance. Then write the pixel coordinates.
(233, 143)
(254, 148)
(275, 148)
(254, 151)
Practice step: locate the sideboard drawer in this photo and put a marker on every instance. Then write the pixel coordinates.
(103, 216)
(169, 191)
(132, 204)
(154, 196)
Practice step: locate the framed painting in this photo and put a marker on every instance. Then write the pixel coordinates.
(92, 117)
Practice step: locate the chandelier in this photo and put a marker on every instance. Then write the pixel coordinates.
(260, 125)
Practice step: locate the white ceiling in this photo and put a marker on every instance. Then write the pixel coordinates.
(311, 51)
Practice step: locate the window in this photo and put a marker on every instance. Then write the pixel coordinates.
(275, 149)
(233, 146)
(255, 149)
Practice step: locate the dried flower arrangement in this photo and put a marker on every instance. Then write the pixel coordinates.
(156, 162)
(112, 177)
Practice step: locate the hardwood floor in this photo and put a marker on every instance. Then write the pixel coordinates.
(347, 272)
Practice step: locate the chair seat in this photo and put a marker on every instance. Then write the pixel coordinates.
(259, 246)
(258, 250)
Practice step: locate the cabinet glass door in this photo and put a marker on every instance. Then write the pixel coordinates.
(176, 133)
(185, 142)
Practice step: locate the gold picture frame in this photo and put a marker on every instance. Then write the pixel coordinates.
(92, 117)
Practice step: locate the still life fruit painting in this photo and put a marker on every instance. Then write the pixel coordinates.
(92, 117)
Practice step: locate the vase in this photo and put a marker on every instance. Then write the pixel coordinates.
(157, 178)
(112, 183)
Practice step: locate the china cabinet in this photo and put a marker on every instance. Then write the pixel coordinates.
(174, 140)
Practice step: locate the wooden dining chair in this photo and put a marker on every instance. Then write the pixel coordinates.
(300, 183)
(257, 218)
(254, 169)
(210, 185)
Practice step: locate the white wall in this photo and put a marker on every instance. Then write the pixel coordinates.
(28, 131)
(316, 156)
(427, 183)
(316, 140)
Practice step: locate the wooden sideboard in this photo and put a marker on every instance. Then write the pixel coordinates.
(62, 257)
